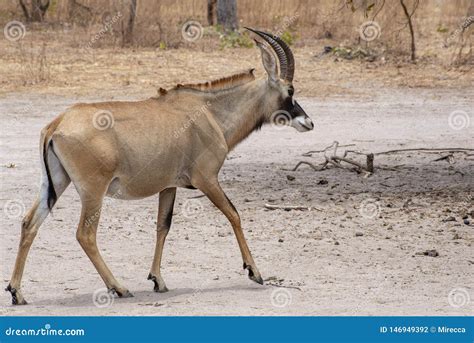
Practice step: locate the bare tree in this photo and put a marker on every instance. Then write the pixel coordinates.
(211, 12)
(227, 14)
(128, 32)
(376, 8)
(34, 10)
(408, 15)
(79, 13)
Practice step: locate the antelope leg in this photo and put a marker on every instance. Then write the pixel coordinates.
(165, 215)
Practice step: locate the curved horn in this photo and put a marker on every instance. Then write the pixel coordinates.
(289, 56)
(283, 51)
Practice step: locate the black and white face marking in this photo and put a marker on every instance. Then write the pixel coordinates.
(298, 117)
(291, 91)
(301, 121)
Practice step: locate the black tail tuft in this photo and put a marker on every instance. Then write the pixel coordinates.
(52, 197)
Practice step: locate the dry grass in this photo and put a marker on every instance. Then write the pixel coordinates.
(141, 71)
(80, 54)
(160, 21)
(34, 66)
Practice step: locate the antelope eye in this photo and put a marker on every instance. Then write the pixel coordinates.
(291, 91)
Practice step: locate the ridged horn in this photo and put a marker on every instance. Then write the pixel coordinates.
(283, 51)
(289, 56)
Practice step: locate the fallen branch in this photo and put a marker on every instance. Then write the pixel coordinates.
(290, 207)
(282, 286)
(449, 158)
(197, 196)
(450, 150)
(336, 160)
(316, 168)
(309, 153)
(368, 168)
(385, 185)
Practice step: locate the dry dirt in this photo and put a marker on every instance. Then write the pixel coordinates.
(358, 252)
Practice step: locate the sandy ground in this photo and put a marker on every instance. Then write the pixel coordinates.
(69, 71)
(359, 252)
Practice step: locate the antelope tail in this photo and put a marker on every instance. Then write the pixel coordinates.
(46, 149)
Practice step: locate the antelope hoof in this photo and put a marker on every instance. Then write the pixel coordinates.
(254, 274)
(163, 289)
(17, 298)
(121, 294)
(125, 294)
(160, 286)
(258, 279)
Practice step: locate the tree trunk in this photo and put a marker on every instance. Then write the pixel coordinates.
(79, 13)
(211, 12)
(410, 25)
(128, 34)
(37, 10)
(227, 14)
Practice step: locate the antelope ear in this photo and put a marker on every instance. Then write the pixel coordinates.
(269, 62)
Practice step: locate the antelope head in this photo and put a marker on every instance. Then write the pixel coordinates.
(281, 107)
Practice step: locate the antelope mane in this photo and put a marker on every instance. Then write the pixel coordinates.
(224, 83)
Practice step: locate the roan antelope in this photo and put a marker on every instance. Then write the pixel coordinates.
(131, 150)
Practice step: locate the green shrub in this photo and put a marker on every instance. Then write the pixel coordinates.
(235, 39)
(288, 37)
